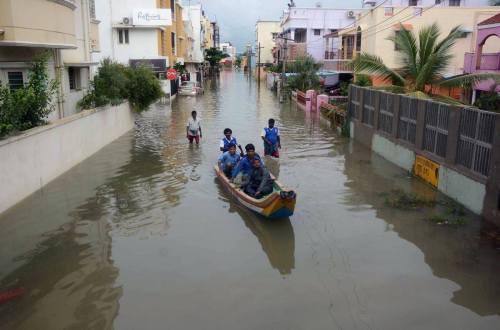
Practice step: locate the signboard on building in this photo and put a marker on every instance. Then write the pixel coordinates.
(156, 65)
(152, 17)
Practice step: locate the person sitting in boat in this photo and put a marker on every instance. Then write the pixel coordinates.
(244, 167)
(271, 137)
(228, 160)
(259, 183)
(227, 140)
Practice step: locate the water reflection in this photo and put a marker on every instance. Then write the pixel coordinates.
(456, 254)
(275, 236)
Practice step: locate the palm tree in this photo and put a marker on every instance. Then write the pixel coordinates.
(424, 61)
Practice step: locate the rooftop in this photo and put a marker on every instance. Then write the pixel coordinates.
(492, 20)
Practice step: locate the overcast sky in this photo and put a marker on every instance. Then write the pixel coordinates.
(237, 18)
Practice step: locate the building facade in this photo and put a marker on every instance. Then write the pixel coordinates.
(265, 38)
(70, 42)
(426, 3)
(373, 28)
(307, 28)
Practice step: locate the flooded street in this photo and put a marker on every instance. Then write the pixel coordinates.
(142, 236)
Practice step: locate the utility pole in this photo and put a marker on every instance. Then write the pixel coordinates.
(258, 62)
(283, 68)
(249, 59)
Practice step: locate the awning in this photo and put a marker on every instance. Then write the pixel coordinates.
(80, 64)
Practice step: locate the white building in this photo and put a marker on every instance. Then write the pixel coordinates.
(265, 37)
(307, 27)
(129, 32)
(228, 48)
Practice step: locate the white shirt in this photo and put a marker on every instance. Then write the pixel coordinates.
(193, 124)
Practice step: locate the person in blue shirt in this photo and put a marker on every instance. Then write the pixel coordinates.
(244, 167)
(271, 137)
(228, 160)
(227, 140)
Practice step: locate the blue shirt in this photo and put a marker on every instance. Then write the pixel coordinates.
(245, 166)
(228, 159)
(224, 143)
(271, 134)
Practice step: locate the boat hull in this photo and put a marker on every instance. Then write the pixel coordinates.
(272, 206)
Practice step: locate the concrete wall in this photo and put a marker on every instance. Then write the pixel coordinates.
(34, 158)
(264, 35)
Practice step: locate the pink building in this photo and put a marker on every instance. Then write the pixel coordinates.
(488, 34)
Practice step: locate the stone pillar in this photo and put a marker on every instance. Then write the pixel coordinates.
(311, 96)
(322, 98)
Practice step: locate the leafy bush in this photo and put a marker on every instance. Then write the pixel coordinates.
(28, 106)
(115, 82)
(143, 88)
(488, 101)
(363, 80)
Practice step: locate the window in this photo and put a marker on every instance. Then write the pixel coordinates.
(438, 2)
(92, 8)
(417, 11)
(413, 3)
(172, 7)
(317, 32)
(123, 36)
(454, 3)
(389, 11)
(274, 35)
(173, 43)
(16, 80)
(74, 78)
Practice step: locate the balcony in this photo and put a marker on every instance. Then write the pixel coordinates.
(338, 65)
(487, 63)
(35, 23)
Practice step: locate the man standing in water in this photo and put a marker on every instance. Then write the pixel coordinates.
(193, 129)
(271, 137)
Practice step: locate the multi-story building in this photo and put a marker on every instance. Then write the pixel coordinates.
(194, 18)
(131, 32)
(228, 48)
(70, 40)
(265, 37)
(486, 55)
(373, 27)
(208, 33)
(215, 34)
(305, 28)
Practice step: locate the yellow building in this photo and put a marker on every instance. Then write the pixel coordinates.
(208, 36)
(172, 39)
(265, 36)
(374, 26)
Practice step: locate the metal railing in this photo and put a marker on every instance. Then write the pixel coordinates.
(461, 137)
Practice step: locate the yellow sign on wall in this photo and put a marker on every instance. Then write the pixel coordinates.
(427, 170)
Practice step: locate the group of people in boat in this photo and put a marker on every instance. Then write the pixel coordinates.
(244, 169)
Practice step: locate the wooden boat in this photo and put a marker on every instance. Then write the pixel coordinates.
(278, 204)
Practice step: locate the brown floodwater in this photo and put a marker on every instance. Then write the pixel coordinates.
(142, 236)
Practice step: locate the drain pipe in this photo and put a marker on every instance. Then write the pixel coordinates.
(60, 92)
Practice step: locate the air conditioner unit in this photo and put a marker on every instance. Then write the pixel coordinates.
(351, 14)
(126, 21)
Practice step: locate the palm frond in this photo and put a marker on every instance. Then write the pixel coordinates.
(468, 80)
(427, 39)
(367, 63)
(406, 42)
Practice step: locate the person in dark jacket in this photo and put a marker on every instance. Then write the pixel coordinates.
(259, 183)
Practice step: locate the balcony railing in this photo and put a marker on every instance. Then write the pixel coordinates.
(489, 62)
(337, 65)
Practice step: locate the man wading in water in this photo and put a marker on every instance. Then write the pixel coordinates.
(193, 129)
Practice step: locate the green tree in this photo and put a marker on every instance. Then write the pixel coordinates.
(305, 76)
(424, 61)
(143, 88)
(214, 55)
(237, 62)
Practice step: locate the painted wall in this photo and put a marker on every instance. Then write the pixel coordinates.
(377, 27)
(264, 35)
(194, 15)
(34, 158)
(324, 19)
